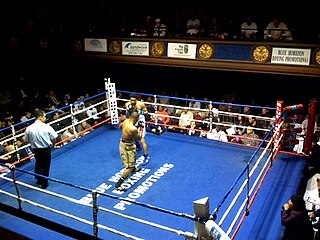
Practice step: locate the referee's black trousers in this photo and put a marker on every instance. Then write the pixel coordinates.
(42, 164)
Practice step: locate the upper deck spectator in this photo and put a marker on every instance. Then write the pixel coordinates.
(249, 29)
(193, 26)
(277, 30)
(160, 29)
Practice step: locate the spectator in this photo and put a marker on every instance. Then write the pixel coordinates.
(214, 29)
(295, 219)
(250, 138)
(160, 30)
(312, 197)
(154, 126)
(177, 29)
(68, 135)
(163, 115)
(92, 112)
(209, 117)
(240, 122)
(289, 138)
(313, 157)
(218, 134)
(229, 30)
(249, 29)
(78, 105)
(148, 27)
(13, 155)
(186, 117)
(304, 125)
(194, 104)
(151, 109)
(205, 26)
(194, 130)
(53, 99)
(163, 119)
(83, 128)
(193, 26)
(265, 123)
(164, 99)
(252, 122)
(57, 125)
(3, 151)
(277, 30)
(25, 116)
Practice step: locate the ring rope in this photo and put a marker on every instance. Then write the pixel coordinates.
(178, 232)
(204, 110)
(215, 123)
(243, 185)
(243, 171)
(253, 185)
(193, 100)
(71, 216)
(274, 148)
(256, 191)
(185, 215)
(190, 217)
(238, 178)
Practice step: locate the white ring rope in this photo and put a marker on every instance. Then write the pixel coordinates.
(254, 184)
(252, 170)
(240, 189)
(201, 110)
(69, 215)
(162, 227)
(178, 232)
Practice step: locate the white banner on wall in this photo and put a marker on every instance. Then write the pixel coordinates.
(135, 48)
(294, 56)
(182, 50)
(95, 44)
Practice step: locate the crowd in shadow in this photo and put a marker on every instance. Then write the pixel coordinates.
(53, 26)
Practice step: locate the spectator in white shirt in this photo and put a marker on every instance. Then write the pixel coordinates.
(160, 29)
(193, 26)
(92, 113)
(277, 30)
(249, 29)
(185, 119)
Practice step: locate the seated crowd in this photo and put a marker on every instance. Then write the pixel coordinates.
(42, 29)
(243, 124)
(70, 120)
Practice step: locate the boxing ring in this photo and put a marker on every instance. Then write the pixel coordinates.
(239, 189)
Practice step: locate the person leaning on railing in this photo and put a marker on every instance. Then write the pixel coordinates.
(277, 30)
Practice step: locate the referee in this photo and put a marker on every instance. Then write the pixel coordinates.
(40, 136)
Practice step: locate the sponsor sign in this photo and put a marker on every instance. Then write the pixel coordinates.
(294, 56)
(95, 44)
(182, 50)
(135, 48)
